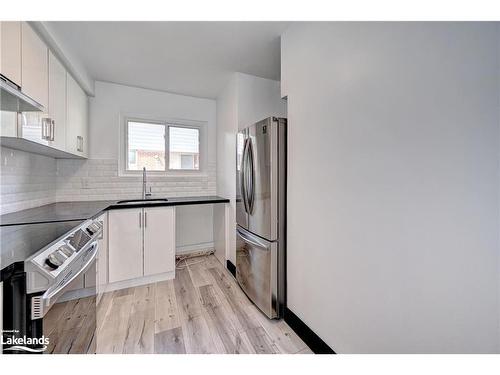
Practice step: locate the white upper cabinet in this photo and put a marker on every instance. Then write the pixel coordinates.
(34, 67)
(10, 47)
(57, 103)
(77, 118)
(63, 125)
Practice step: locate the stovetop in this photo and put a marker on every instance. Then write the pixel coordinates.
(19, 242)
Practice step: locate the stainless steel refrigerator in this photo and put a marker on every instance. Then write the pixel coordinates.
(261, 214)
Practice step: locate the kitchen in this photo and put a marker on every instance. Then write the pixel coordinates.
(243, 187)
(156, 213)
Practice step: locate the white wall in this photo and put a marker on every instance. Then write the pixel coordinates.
(258, 98)
(227, 125)
(245, 100)
(393, 183)
(98, 178)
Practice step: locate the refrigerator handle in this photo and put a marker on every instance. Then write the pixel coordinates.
(243, 176)
(251, 195)
(253, 241)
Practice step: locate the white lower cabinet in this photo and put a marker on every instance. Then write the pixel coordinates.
(125, 244)
(141, 242)
(159, 240)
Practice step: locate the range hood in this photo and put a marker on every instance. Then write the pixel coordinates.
(13, 100)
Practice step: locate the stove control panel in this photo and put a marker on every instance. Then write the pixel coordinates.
(54, 258)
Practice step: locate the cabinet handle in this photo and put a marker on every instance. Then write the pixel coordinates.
(145, 219)
(43, 128)
(46, 128)
(140, 220)
(79, 143)
(101, 235)
(52, 129)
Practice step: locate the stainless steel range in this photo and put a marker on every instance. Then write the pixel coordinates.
(54, 268)
(40, 261)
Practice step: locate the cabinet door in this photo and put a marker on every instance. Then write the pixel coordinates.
(10, 45)
(34, 67)
(159, 240)
(57, 102)
(77, 118)
(125, 244)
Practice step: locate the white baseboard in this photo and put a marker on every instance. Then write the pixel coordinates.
(137, 282)
(193, 248)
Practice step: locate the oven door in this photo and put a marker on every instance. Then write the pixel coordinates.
(69, 310)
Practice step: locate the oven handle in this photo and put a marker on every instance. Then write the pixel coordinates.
(41, 304)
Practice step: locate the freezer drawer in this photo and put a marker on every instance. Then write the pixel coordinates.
(257, 270)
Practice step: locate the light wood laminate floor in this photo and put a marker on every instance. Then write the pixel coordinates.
(202, 310)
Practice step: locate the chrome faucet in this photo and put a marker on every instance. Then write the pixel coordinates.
(144, 194)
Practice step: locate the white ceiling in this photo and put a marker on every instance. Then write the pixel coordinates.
(191, 58)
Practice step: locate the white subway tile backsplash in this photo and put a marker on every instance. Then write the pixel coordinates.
(29, 180)
(26, 180)
(98, 179)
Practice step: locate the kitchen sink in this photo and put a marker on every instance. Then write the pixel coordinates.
(142, 201)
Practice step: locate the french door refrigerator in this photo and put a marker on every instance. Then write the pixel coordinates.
(261, 214)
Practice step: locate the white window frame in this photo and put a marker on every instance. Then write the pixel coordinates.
(201, 126)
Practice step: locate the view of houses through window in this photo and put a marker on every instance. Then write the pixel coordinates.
(184, 148)
(146, 147)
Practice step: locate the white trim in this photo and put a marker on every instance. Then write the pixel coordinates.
(193, 248)
(138, 281)
(202, 127)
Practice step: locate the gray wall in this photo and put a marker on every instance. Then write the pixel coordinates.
(393, 184)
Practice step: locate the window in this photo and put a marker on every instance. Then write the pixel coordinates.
(146, 146)
(160, 146)
(184, 148)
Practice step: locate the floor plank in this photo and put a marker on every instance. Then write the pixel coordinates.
(70, 326)
(196, 332)
(203, 310)
(170, 342)
(167, 315)
(229, 335)
(198, 271)
(111, 336)
(281, 335)
(306, 350)
(141, 322)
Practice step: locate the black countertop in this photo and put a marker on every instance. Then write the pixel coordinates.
(19, 242)
(83, 210)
